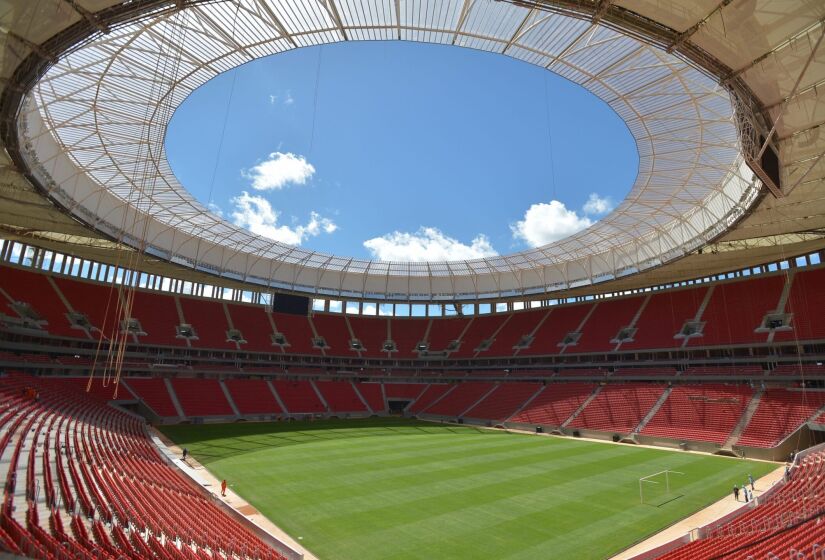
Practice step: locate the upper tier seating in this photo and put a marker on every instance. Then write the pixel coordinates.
(407, 333)
(554, 405)
(98, 305)
(780, 412)
(444, 331)
(35, 290)
(335, 332)
(104, 490)
(618, 408)
(736, 309)
(519, 325)
(153, 393)
(209, 321)
(201, 397)
(560, 322)
(806, 302)
(504, 401)
(706, 412)
(254, 325)
(482, 327)
(373, 333)
(158, 315)
(609, 317)
(297, 331)
(664, 316)
(253, 396)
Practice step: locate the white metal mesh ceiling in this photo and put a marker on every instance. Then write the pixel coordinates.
(93, 134)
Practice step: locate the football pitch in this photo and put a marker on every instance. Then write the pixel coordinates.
(395, 489)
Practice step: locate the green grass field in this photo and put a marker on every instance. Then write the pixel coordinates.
(397, 489)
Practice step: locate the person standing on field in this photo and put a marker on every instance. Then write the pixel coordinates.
(223, 488)
(736, 492)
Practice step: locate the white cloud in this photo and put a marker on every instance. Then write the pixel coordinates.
(544, 223)
(279, 170)
(286, 98)
(256, 214)
(427, 244)
(373, 309)
(597, 205)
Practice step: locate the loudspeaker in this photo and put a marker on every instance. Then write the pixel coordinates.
(539, 430)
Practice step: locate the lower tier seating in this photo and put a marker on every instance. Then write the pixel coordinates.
(706, 412)
(618, 408)
(83, 480)
(299, 397)
(690, 410)
(459, 399)
(555, 404)
(504, 401)
(201, 397)
(431, 394)
(787, 524)
(154, 394)
(372, 395)
(340, 396)
(253, 396)
(780, 413)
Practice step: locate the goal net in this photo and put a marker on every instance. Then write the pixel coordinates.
(659, 488)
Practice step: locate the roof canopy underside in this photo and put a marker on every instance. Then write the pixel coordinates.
(92, 135)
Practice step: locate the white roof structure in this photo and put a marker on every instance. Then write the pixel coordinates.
(689, 86)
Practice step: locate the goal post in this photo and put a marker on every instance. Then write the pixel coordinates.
(660, 481)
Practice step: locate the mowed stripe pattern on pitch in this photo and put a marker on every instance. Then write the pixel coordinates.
(395, 489)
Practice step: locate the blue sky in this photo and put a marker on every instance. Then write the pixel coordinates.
(401, 151)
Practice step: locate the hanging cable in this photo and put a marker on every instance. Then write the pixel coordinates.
(235, 72)
(549, 136)
(224, 124)
(117, 343)
(315, 100)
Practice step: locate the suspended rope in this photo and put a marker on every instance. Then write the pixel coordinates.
(224, 124)
(126, 285)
